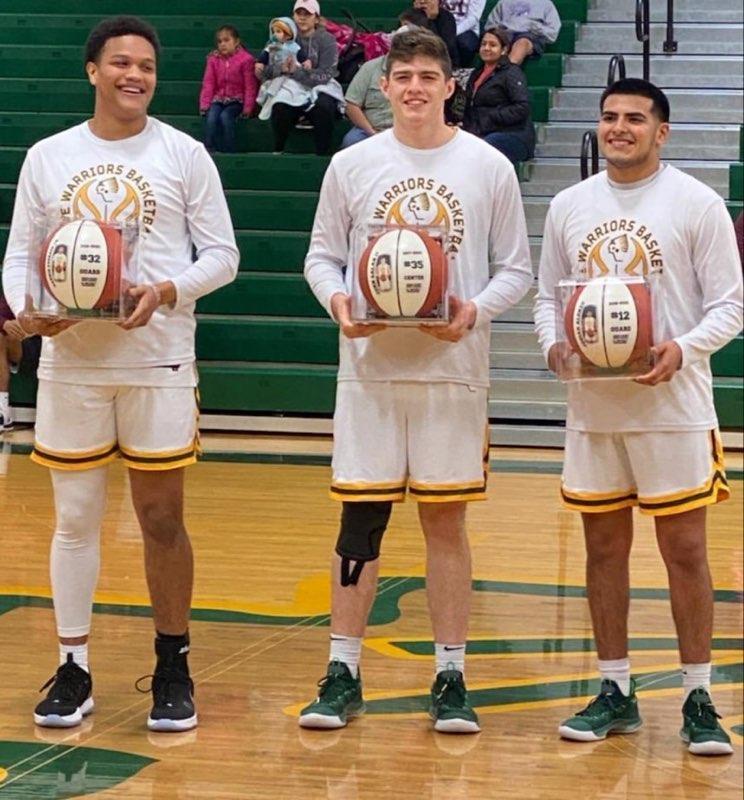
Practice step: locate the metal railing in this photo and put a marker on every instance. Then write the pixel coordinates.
(616, 65)
(589, 143)
(643, 33)
(670, 44)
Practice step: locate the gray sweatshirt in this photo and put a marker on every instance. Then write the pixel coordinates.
(538, 17)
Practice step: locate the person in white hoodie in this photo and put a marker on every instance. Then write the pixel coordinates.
(467, 14)
(652, 442)
(411, 403)
(124, 390)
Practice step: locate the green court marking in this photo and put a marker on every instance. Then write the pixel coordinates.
(45, 772)
(537, 692)
(386, 608)
(549, 645)
(321, 460)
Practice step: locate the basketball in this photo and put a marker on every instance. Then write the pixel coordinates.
(403, 273)
(80, 264)
(608, 322)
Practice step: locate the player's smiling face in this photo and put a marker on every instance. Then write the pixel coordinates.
(417, 90)
(630, 136)
(124, 76)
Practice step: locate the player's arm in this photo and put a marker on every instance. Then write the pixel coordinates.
(328, 255)
(28, 204)
(508, 248)
(718, 270)
(554, 266)
(217, 256)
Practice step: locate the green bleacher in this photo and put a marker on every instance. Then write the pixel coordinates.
(264, 344)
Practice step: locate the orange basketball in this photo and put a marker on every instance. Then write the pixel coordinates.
(403, 273)
(80, 264)
(608, 322)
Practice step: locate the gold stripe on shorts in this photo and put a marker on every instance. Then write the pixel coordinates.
(361, 492)
(161, 460)
(88, 459)
(448, 492)
(598, 502)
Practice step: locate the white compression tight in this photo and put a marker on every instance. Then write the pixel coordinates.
(79, 501)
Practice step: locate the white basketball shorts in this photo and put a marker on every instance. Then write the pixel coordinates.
(429, 438)
(80, 427)
(660, 472)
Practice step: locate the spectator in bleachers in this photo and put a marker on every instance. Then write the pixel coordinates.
(442, 22)
(497, 100)
(367, 107)
(14, 344)
(282, 45)
(467, 14)
(311, 91)
(229, 90)
(533, 24)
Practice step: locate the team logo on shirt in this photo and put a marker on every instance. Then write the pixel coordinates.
(619, 247)
(110, 193)
(423, 201)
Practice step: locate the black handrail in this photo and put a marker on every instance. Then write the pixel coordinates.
(617, 63)
(670, 45)
(588, 141)
(643, 33)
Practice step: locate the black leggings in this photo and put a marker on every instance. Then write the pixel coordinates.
(322, 115)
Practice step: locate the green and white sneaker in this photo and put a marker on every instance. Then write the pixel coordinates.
(450, 709)
(338, 701)
(700, 729)
(610, 712)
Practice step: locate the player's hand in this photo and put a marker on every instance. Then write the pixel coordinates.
(33, 326)
(341, 309)
(148, 299)
(463, 314)
(14, 330)
(557, 354)
(667, 360)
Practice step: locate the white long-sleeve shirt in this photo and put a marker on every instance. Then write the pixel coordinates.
(467, 186)
(467, 14)
(167, 181)
(674, 228)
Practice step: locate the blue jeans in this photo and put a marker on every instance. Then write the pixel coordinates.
(220, 126)
(510, 145)
(354, 136)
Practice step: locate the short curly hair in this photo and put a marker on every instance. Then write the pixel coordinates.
(118, 26)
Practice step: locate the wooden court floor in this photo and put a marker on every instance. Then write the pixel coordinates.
(262, 534)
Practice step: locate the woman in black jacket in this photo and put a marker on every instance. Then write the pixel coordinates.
(498, 104)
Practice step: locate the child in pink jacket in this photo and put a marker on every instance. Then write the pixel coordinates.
(229, 89)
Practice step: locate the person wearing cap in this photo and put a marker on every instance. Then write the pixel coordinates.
(318, 94)
(533, 24)
(497, 100)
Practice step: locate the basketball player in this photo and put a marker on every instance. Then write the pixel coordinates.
(652, 443)
(128, 390)
(411, 404)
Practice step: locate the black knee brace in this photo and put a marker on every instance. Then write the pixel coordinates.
(362, 526)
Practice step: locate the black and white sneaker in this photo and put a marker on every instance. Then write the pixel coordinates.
(172, 690)
(69, 698)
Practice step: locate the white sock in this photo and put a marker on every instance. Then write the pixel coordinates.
(617, 670)
(347, 650)
(5, 405)
(694, 676)
(449, 656)
(79, 654)
(79, 501)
